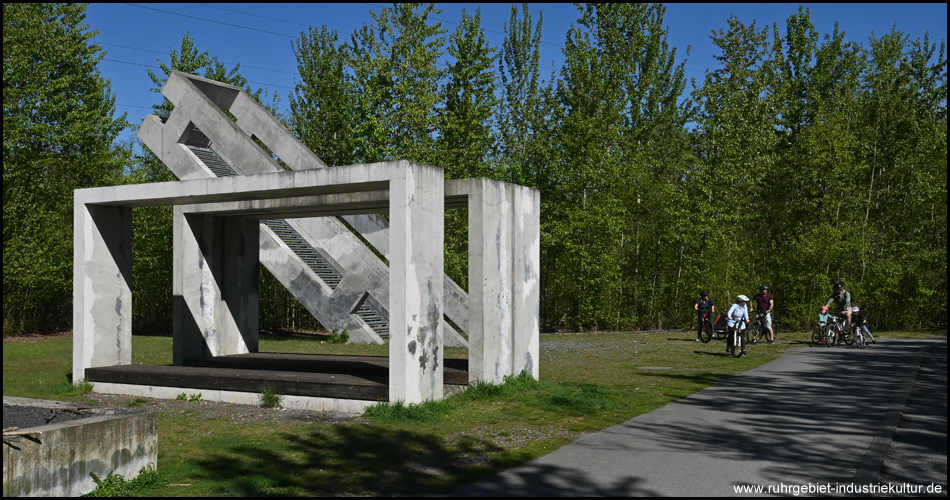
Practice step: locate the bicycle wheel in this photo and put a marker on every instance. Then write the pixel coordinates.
(848, 337)
(752, 333)
(816, 337)
(738, 340)
(707, 334)
(861, 341)
(831, 337)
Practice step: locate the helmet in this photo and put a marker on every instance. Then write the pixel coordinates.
(824, 309)
(703, 294)
(743, 298)
(856, 309)
(839, 286)
(764, 287)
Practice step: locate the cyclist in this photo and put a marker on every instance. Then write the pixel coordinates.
(704, 307)
(860, 322)
(823, 319)
(765, 303)
(841, 302)
(738, 313)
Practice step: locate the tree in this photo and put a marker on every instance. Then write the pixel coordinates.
(321, 109)
(397, 83)
(59, 128)
(465, 135)
(521, 114)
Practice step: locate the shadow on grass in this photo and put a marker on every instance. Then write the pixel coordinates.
(355, 459)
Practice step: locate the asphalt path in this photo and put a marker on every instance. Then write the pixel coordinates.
(815, 422)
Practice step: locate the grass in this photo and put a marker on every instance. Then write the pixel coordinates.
(588, 382)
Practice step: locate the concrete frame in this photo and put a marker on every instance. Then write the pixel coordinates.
(216, 265)
(225, 322)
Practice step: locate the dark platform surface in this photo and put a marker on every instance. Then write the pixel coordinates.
(314, 375)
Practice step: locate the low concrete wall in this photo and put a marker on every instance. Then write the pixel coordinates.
(58, 461)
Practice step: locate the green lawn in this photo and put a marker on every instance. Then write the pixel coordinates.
(588, 382)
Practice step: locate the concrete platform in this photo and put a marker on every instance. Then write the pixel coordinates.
(336, 377)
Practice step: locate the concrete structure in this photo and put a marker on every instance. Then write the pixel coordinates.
(216, 259)
(319, 260)
(57, 462)
(237, 207)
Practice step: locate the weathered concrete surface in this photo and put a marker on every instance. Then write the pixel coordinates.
(58, 461)
(504, 279)
(215, 285)
(198, 121)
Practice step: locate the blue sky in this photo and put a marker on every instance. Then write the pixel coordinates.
(259, 36)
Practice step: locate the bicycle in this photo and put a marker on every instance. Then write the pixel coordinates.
(707, 334)
(850, 336)
(737, 339)
(757, 328)
(835, 331)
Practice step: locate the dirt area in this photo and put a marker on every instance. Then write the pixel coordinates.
(210, 410)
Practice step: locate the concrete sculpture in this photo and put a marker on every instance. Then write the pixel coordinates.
(220, 240)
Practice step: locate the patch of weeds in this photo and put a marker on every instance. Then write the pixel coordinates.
(116, 485)
(421, 412)
(136, 402)
(80, 388)
(269, 398)
(338, 337)
(194, 398)
(182, 397)
(512, 385)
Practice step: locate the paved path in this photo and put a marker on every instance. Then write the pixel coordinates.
(816, 416)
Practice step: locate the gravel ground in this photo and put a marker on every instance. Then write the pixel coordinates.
(209, 410)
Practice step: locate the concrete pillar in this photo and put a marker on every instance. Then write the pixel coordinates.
(504, 278)
(102, 287)
(526, 279)
(489, 281)
(215, 286)
(416, 229)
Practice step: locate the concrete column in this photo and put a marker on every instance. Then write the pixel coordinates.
(526, 279)
(415, 310)
(216, 297)
(102, 287)
(489, 281)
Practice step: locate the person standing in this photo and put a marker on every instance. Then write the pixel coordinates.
(765, 303)
(706, 309)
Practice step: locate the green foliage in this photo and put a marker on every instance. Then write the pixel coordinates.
(269, 398)
(182, 397)
(59, 128)
(194, 398)
(82, 387)
(399, 412)
(338, 337)
(487, 391)
(115, 485)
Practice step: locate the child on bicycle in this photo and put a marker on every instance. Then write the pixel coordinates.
(823, 318)
(738, 315)
(860, 322)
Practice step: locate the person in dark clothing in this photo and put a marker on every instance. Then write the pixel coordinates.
(765, 304)
(705, 309)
